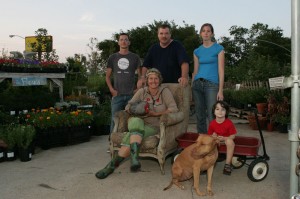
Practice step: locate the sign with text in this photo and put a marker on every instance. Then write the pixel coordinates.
(32, 42)
(29, 81)
(276, 82)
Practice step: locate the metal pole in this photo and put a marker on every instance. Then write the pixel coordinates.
(295, 119)
(11, 36)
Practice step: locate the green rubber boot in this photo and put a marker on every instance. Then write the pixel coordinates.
(134, 154)
(109, 168)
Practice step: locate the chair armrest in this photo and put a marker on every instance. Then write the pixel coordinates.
(120, 119)
(172, 118)
(171, 125)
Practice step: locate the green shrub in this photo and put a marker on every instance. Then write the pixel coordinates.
(72, 80)
(8, 134)
(102, 114)
(96, 82)
(245, 96)
(26, 98)
(24, 135)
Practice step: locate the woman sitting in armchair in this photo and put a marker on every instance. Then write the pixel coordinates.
(159, 101)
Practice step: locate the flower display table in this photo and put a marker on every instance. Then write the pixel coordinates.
(57, 78)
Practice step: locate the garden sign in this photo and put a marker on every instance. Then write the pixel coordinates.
(29, 81)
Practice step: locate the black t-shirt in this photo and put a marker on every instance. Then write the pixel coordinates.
(167, 60)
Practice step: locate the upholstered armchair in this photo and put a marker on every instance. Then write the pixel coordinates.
(171, 126)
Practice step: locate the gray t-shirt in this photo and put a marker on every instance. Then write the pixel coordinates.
(123, 69)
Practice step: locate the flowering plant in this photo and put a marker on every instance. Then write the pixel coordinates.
(52, 118)
(22, 65)
(278, 108)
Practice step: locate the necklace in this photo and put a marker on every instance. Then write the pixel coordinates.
(153, 94)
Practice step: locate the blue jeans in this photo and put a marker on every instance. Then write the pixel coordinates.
(205, 96)
(118, 103)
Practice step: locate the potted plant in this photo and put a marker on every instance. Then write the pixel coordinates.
(8, 135)
(244, 98)
(58, 127)
(271, 111)
(281, 116)
(259, 100)
(282, 122)
(3, 145)
(25, 135)
(279, 111)
(253, 123)
(79, 125)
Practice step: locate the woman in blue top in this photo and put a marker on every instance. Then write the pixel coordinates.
(208, 76)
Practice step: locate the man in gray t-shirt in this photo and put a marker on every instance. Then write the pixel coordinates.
(122, 65)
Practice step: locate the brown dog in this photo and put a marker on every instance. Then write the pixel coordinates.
(195, 158)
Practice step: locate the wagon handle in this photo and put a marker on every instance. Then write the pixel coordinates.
(265, 156)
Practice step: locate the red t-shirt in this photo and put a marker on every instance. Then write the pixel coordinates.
(225, 128)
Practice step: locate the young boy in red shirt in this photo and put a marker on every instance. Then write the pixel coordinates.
(224, 129)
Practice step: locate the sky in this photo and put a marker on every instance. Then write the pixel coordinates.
(72, 23)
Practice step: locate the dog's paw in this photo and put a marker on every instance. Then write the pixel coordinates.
(181, 187)
(200, 193)
(210, 193)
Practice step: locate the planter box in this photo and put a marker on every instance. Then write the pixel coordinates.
(52, 137)
(49, 138)
(78, 134)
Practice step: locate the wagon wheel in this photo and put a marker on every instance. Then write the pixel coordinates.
(258, 170)
(238, 161)
(175, 155)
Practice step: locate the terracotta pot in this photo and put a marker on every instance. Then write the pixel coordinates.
(253, 124)
(261, 108)
(270, 127)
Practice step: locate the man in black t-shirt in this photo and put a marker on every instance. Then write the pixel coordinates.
(169, 57)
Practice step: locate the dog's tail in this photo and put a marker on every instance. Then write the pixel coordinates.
(169, 186)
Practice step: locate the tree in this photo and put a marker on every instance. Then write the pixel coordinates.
(44, 43)
(77, 63)
(94, 56)
(144, 36)
(257, 53)
(77, 75)
(259, 49)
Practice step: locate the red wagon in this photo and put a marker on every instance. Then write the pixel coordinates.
(246, 148)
